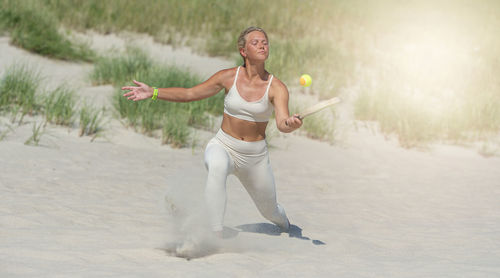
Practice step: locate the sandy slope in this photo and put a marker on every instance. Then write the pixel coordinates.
(124, 206)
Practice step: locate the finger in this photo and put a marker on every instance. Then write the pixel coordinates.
(138, 83)
(128, 88)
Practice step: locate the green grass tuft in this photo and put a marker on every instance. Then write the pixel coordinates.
(118, 68)
(17, 89)
(59, 106)
(90, 120)
(175, 130)
(37, 133)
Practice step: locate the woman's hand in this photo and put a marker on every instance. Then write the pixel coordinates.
(293, 122)
(141, 92)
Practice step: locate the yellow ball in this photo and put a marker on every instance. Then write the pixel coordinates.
(305, 80)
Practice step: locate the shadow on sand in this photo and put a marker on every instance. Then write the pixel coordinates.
(273, 230)
(198, 247)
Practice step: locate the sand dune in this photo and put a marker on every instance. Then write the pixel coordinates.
(126, 206)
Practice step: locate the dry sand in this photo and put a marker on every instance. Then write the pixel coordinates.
(126, 206)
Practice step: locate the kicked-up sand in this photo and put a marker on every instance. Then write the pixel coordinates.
(127, 206)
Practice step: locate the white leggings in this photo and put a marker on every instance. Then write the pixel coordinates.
(249, 161)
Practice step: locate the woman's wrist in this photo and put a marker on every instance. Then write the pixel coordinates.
(287, 128)
(290, 124)
(154, 94)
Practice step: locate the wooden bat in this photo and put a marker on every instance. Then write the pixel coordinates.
(318, 107)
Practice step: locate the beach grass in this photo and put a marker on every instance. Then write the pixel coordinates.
(424, 70)
(59, 106)
(148, 115)
(5, 131)
(34, 27)
(175, 129)
(320, 126)
(17, 89)
(442, 87)
(37, 132)
(295, 47)
(91, 120)
(118, 68)
(309, 37)
(20, 95)
(418, 118)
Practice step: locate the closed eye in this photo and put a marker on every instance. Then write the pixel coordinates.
(255, 42)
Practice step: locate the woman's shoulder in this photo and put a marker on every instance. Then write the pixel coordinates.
(227, 72)
(277, 84)
(225, 76)
(277, 89)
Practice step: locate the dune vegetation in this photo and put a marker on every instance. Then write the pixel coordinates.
(423, 70)
(21, 95)
(33, 27)
(172, 118)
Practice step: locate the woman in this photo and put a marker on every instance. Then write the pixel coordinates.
(239, 147)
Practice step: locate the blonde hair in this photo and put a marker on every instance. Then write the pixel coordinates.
(242, 39)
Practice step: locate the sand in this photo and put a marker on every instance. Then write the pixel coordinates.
(127, 206)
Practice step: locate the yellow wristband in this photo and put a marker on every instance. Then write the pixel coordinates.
(155, 93)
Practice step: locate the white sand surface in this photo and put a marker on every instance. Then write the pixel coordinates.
(127, 206)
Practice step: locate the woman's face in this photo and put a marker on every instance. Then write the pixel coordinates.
(256, 47)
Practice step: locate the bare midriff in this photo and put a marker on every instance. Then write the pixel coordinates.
(244, 130)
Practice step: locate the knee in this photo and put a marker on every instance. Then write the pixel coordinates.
(218, 171)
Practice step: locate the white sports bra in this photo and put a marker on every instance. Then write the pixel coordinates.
(253, 111)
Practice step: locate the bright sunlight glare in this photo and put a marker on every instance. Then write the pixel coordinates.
(430, 60)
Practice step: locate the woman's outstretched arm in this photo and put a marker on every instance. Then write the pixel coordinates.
(210, 87)
(284, 122)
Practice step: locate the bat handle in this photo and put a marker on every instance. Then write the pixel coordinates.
(298, 117)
